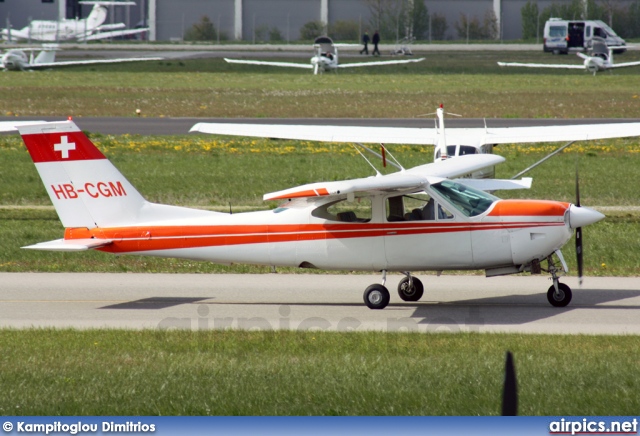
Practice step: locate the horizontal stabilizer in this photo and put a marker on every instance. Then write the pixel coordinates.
(69, 244)
(12, 126)
(496, 184)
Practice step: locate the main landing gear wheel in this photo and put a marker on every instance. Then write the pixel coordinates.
(410, 293)
(561, 298)
(376, 297)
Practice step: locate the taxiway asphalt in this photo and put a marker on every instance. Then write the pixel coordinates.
(514, 304)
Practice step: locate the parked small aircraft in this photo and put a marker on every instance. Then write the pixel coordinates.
(326, 58)
(600, 58)
(86, 29)
(18, 60)
(451, 142)
(415, 219)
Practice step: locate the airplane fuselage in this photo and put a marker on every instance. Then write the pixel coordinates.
(325, 62)
(508, 234)
(595, 64)
(15, 60)
(52, 31)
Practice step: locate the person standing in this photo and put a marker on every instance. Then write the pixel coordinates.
(365, 42)
(376, 41)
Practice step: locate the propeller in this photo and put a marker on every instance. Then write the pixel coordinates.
(315, 68)
(510, 388)
(578, 231)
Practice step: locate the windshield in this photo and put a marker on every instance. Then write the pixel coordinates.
(606, 28)
(469, 201)
(557, 31)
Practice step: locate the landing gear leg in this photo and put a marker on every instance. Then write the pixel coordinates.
(559, 294)
(410, 288)
(377, 296)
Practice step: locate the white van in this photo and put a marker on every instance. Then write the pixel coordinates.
(560, 35)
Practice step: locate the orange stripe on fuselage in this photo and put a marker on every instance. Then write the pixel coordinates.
(529, 208)
(131, 239)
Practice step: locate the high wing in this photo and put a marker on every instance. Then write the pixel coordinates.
(517, 135)
(408, 179)
(369, 64)
(273, 64)
(88, 62)
(424, 136)
(385, 135)
(559, 66)
(624, 64)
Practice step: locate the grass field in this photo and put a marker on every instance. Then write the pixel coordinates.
(63, 372)
(468, 83)
(113, 372)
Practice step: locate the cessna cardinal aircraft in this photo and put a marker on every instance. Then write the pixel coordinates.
(452, 142)
(600, 59)
(326, 58)
(86, 29)
(18, 60)
(416, 219)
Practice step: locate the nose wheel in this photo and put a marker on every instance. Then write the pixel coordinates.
(560, 297)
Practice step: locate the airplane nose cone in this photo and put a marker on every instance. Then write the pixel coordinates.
(583, 216)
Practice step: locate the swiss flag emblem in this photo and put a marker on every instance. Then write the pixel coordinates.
(61, 147)
(64, 146)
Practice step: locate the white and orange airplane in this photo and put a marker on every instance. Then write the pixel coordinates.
(413, 220)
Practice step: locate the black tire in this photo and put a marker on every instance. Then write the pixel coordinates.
(413, 293)
(562, 299)
(376, 297)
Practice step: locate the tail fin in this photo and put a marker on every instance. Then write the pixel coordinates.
(97, 16)
(47, 55)
(85, 188)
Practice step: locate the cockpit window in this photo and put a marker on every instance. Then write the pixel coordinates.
(464, 150)
(607, 30)
(469, 201)
(356, 211)
(415, 207)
